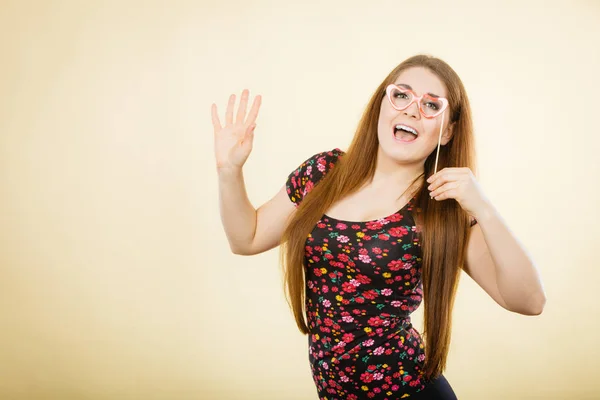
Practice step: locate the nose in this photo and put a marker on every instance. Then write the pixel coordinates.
(412, 110)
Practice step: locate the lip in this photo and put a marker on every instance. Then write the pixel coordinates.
(404, 141)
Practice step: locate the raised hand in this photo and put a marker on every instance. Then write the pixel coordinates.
(233, 142)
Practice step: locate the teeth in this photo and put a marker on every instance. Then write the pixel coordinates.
(406, 128)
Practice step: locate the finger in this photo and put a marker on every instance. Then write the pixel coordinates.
(436, 176)
(249, 137)
(229, 113)
(448, 194)
(215, 118)
(440, 180)
(444, 172)
(444, 188)
(242, 108)
(254, 110)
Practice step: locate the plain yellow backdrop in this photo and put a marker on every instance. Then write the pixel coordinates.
(116, 277)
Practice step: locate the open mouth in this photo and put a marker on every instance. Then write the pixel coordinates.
(405, 133)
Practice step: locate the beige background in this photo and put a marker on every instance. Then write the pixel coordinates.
(117, 279)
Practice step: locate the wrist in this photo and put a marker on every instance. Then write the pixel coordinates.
(229, 172)
(485, 212)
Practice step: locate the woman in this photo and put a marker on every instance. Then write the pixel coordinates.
(370, 232)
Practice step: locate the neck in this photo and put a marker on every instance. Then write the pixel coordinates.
(390, 172)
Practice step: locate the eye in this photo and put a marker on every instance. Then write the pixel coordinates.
(433, 106)
(401, 95)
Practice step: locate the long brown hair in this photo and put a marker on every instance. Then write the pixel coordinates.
(443, 225)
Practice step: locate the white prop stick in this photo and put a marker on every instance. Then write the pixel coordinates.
(438, 148)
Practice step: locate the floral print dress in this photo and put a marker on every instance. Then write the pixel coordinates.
(363, 280)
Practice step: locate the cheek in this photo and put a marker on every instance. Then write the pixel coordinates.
(432, 127)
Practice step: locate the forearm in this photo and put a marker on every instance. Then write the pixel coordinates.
(517, 276)
(238, 215)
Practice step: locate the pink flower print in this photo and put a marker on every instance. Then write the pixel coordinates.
(317, 271)
(387, 291)
(411, 351)
(377, 376)
(309, 170)
(346, 379)
(376, 250)
(368, 342)
(343, 238)
(407, 256)
(378, 351)
(341, 226)
(326, 303)
(325, 289)
(325, 365)
(348, 318)
(352, 397)
(321, 164)
(364, 258)
(407, 265)
(339, 348)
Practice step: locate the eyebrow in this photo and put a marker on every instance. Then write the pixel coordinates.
(407, 86)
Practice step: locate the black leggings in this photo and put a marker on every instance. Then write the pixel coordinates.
(438, 389)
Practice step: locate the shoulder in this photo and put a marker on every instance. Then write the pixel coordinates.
(303, 178)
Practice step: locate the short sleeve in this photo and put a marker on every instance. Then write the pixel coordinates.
(303, 179)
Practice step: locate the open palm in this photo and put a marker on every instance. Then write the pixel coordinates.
(233, 142)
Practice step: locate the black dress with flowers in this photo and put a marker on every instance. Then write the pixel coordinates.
(363, 280)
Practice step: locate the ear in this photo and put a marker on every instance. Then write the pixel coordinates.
(447, 135)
